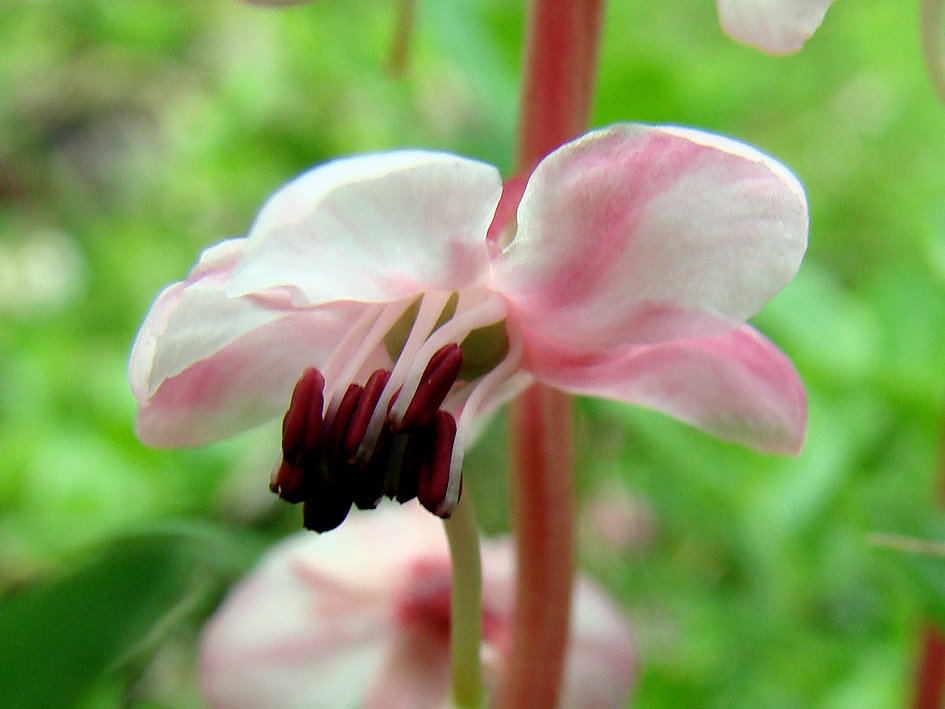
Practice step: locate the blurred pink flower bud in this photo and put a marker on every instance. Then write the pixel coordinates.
(774, 26)
(361, 618)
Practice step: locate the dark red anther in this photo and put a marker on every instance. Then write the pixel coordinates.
(418, 457)
(339, 426)
(358, 424)
(302, 425)
(433, 480)
(326, 506)
(288, 482)
(437, 380)
(369, 480)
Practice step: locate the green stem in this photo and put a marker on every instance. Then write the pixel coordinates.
(465, 605)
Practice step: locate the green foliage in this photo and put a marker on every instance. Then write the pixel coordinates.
(58, 637)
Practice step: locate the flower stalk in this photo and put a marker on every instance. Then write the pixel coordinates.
(465, 605)
(561, 46)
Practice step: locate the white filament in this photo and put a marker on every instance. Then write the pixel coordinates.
(483, 388)
(350, 356)
(431, 307)
(490, 311)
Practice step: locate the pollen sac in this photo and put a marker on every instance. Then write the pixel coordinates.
(326, 506)
(435, 383)
(361, 416)
(302, 425)
(369, 481)
(301, 437)
(288, 482)
(324, 465)
(434, 476)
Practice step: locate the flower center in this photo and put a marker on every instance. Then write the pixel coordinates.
(403, 432)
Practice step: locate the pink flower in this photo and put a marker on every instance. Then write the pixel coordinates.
(370, 283)
(361, 618)
(774, 26)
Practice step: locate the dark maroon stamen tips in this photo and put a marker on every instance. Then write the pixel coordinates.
(358, 424)
(434, 479)
(435, 383)
(302, 425)
(417, 460)
(301, 437)
(369, 481)
(320, 466)
(326, 506)
(339, 426)
(289, 482)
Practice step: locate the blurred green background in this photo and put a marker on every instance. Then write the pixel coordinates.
(135, 133)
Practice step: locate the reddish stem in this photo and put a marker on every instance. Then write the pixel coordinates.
(930, 675)
(560, 62)
(930, 679)
(560, 66)
(543, 510)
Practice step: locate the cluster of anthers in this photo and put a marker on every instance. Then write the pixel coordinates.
(397, 434)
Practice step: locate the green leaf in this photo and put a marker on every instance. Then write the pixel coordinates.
(58, 637)
(922, 561)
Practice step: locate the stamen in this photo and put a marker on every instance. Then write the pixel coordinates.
(369, 482)
(288, 481)
(396, 460)
(486, 386)
(351, 361)
(326, 507)
(430, 308)
(489, 311)
(437, 380)
(367, 402)
(301, 437)
(349, 344)
(434, 479)
(417, 460)
(302, 425)
(339, 424)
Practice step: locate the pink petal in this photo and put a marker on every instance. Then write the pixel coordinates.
(737, 386)
(775, 26)
(416, 676)
(640, 234)
(316, 625)
(601, 662)
(242, 385)
(374, 228)
(321, 624)
(292, 637)
(205, 366)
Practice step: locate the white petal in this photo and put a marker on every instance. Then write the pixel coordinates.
(374, 228)
(775, 26)
(205, 366)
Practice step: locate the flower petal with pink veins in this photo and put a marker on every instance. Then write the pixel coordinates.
(291, 637)
(737, 386)
(774, 26)
(374, 228)
(636, 234)
(360, 617)
(205, 366)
